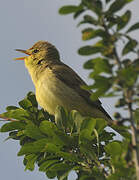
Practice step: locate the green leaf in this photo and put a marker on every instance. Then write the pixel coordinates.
(52, 132)
(87, 150)
(52, 148)
(133, 27)
(98, 65)
(25, 104)
(89, 50)
(89, 64)
(88, 177)
(47, 164)
(31, 159)
(90, 33)
(32, 98)
(42, 115)
(33, 131)
(95, 6)
(13, 135)
(87, 34)
(117, 6)
(64, 175)
(16, 125)
(89, 19)
(51, 174)
(8, 108)
(69, 9)
(105, 136)
(87, 128)
(48, 128)
(114, 149)
(65, 138)
(88, 123)
(19, 114)
(71, 121)
(102, 84)
(77, 118)
(128, 76)
(78, 13)
(101, 81)
(100, 124)
(99, 93)
(33, 147)
(101, 65)
(123, 20)
(61, 117)
(68, 156)
(60, 167)
(129, 47)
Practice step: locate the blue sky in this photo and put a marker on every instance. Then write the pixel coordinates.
(22, 24)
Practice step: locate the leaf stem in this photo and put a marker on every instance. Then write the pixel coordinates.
(117, 58)
(115, 54)
(7, 119)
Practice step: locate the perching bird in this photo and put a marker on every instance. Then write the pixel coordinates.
(57, 84)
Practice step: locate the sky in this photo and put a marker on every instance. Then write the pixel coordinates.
(22, 24)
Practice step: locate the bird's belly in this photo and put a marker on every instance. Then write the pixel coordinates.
(51, 92)
(49, 95)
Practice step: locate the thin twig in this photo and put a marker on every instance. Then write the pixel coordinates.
(135, 148)
(7, 119)
(117, 58)
(115, 54)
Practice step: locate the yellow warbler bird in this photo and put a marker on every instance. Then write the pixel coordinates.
(57, 84)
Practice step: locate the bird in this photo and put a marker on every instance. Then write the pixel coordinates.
(57, 84)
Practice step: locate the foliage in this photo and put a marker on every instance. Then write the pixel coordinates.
(69, 141)
(113, 74)
(106, 25)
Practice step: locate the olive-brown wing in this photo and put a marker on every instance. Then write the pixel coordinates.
(71, 79)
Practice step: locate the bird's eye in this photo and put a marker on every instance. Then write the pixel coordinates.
(35, 51)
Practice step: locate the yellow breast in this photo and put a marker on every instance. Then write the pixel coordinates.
(51, 92)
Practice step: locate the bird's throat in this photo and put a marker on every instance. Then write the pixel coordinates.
(35, 70)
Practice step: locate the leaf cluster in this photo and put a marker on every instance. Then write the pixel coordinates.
(63, 143)
(113, 74)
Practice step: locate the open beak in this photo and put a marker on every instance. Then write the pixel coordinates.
(22, 51)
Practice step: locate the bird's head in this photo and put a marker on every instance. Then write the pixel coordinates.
(42, 51)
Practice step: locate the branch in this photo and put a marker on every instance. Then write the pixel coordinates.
(135, 148)
(115, 54)
(117, 59)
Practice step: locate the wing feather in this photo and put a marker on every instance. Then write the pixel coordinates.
(71, 78)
